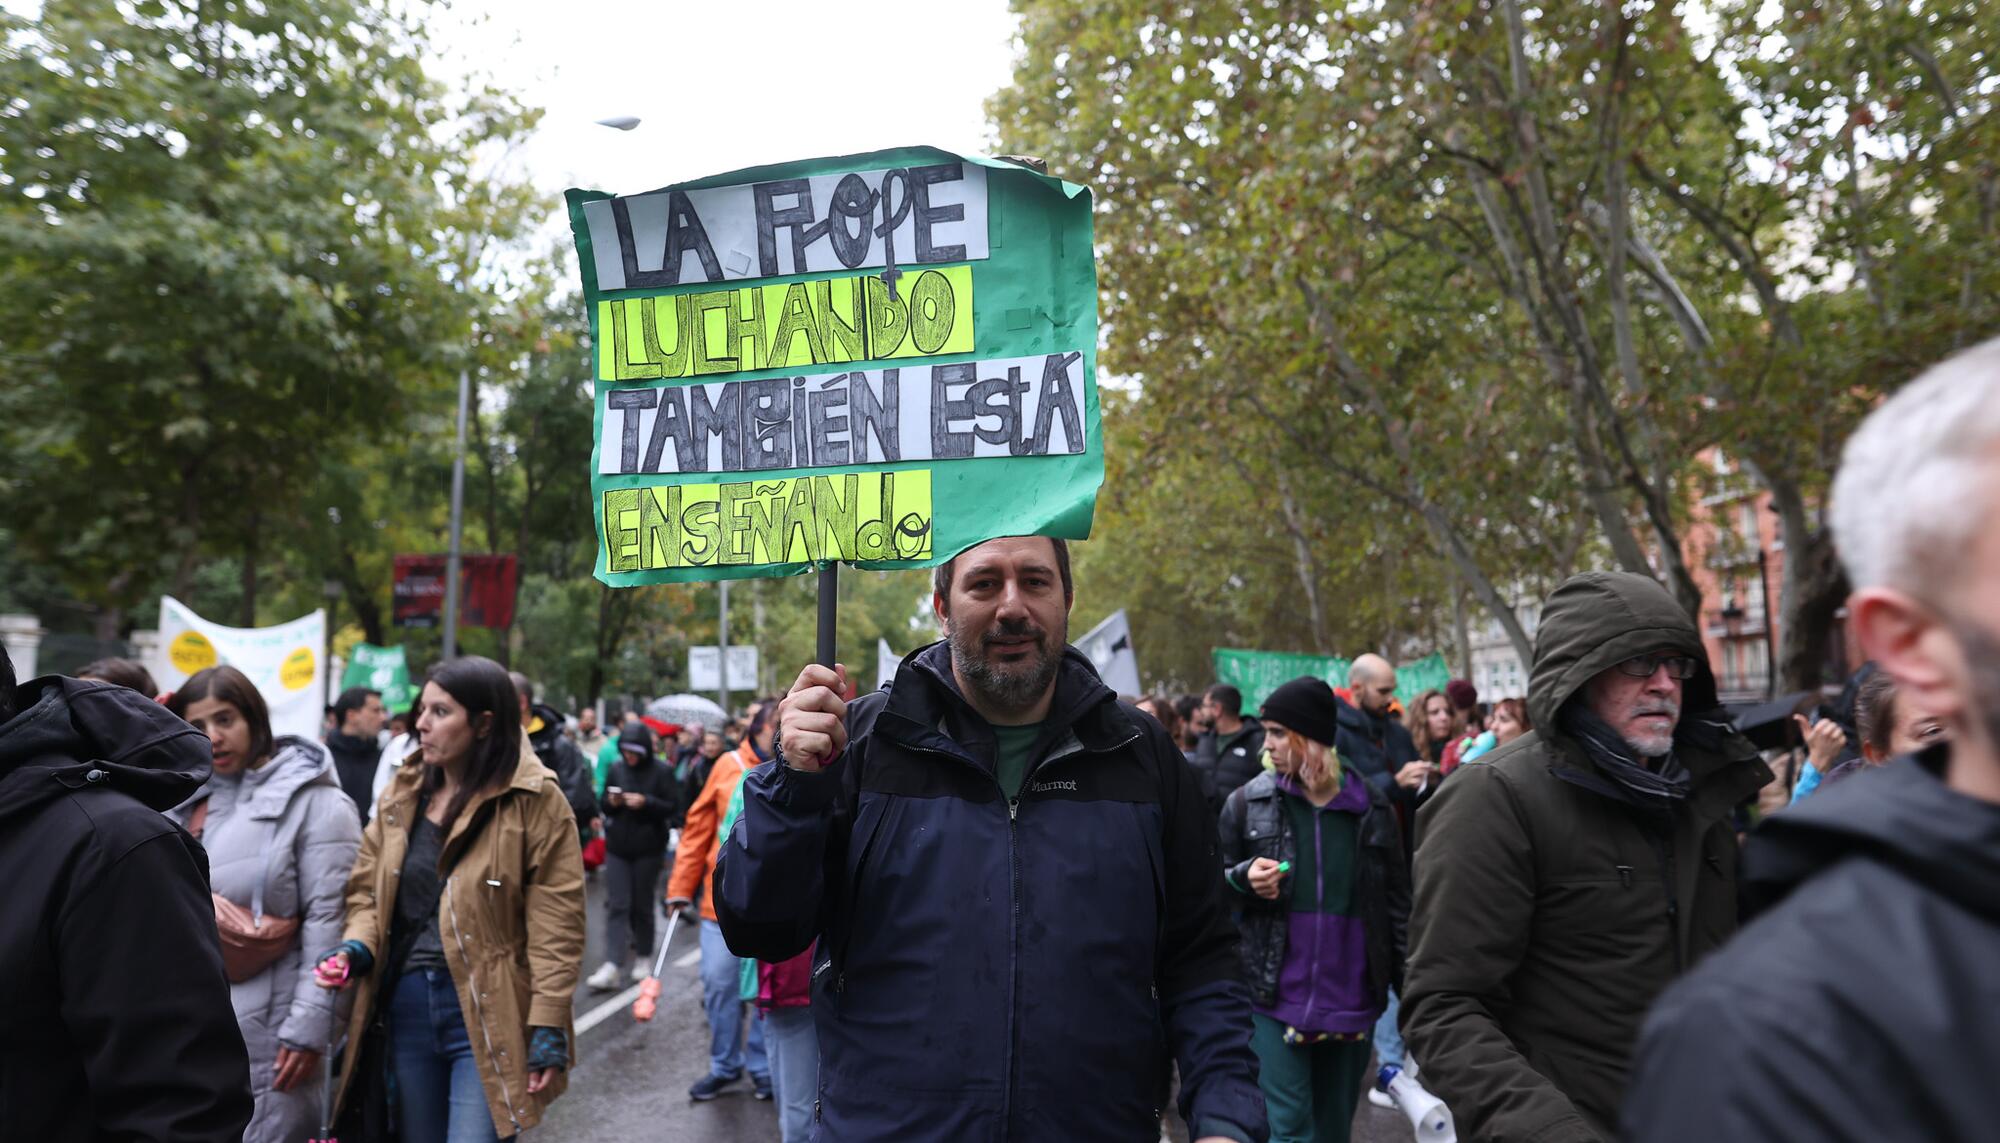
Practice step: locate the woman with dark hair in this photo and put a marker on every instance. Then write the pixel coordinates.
(465, 923)
(281, 838)
(122, 673)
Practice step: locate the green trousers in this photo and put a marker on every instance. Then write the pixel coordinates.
(1311, 1090)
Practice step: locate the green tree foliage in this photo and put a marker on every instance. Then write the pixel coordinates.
(1464, 288)
(233, 247)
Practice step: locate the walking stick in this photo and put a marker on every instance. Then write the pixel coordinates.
(326, 1096)
(649, 989)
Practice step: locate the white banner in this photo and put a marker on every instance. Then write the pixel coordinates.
(704, 673)
(285, 663)
(906, 216)
(1011, 406)
(1109, 646)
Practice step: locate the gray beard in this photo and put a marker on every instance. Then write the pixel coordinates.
(1010, 691)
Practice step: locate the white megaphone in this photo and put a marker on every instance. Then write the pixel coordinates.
(1429, 1117)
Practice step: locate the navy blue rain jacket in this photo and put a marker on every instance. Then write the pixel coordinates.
(993, 971)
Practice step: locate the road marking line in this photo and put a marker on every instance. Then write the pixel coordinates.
(687, 960)
(606, 1010)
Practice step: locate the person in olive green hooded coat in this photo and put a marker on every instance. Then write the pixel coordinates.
(1565, 879)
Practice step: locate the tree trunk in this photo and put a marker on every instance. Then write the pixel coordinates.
(1461, 632)
(1813, 589)
(1303, 563)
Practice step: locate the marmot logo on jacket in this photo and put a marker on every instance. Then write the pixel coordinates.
(1068, 784)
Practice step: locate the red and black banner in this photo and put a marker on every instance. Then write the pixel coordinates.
(486, 590)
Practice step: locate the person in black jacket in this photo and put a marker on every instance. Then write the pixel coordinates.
(1013, 881)
(544, 726)
(1859, 1003)
(641, 801)
(117, 1023)
(357, 724)
(1231, 751)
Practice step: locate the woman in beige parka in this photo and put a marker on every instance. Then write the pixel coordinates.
(465, 922)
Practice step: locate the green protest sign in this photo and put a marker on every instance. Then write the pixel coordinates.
(383, 669)
(879, 359)
(1258, 673)
(1429, 673)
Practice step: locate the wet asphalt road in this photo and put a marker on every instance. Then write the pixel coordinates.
(630, 1085)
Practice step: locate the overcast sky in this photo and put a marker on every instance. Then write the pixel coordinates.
(722, 84)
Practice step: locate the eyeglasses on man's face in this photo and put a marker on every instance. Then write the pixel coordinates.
(1680, 667)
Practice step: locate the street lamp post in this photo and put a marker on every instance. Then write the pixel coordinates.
(451, 561)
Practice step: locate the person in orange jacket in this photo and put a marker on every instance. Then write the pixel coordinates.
(730, 1051)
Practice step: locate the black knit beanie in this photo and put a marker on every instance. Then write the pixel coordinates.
(1304, 706)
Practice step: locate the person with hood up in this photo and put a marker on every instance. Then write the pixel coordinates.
(641, 801)
(1315, 857)
(1858, 1003)
(117, 1019)
(281, 836)
(1564, 881)
(464, 924)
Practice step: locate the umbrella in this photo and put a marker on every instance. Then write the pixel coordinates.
(1768, 725)
(685, 710)
(663, 729)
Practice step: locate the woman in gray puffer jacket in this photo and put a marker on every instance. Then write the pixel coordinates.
(281, 838)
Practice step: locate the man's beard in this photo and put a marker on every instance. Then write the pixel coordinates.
(1649, 745)
(1014, 687)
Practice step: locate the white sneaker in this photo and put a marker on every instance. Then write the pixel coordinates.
(640, 972)
(1381, 1098)
(605, 978)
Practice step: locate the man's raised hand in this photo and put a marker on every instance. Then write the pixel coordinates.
(812, 719)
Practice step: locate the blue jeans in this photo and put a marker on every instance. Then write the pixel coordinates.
(722, 997)
(439, 1094)
(794, 1069)
(1388, 1037)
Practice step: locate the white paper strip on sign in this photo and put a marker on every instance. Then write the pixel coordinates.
(906, 216)
(1015, 406)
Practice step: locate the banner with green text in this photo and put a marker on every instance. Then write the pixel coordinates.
(879, 359)
(1258, 673)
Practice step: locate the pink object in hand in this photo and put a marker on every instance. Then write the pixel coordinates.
(331, 972)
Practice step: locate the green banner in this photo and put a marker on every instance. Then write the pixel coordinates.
(1426, 674)
(880, 359)
(1258, 673)
(383, 669)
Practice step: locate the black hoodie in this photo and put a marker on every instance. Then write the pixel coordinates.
(115, 1020)
(1860, 1004)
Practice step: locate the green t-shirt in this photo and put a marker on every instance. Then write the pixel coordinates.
(1011, 757)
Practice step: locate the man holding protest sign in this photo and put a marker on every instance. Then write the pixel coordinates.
(1012, 879)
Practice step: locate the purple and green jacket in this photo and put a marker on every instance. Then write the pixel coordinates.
(1322, 957)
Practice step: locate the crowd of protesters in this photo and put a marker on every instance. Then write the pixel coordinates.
(992, 901)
